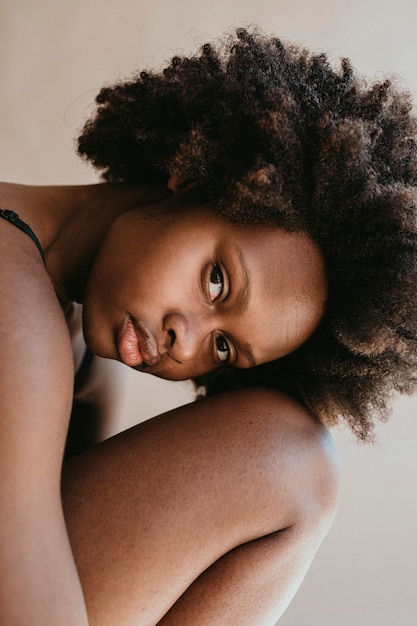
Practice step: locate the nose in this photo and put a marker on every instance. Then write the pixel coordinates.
(184, 335)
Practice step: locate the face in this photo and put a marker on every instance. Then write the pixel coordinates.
(180, 295)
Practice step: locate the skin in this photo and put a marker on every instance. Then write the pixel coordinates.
(164, 522)
(231, 500)
(160, 273)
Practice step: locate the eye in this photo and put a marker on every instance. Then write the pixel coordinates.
(222, 348)
(216, 283)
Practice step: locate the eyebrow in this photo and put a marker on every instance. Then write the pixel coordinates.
(244, 294)
(244, 297)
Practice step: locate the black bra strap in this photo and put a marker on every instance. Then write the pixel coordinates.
(14, 219)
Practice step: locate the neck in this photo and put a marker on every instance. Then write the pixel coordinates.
(71, 222)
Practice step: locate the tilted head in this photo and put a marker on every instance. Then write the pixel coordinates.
(176, 290)
(268, 133)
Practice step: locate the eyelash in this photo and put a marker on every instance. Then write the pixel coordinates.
(216, 278)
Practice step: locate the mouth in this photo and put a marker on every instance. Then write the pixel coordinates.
(136, 346)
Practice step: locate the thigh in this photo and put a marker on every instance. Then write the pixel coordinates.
(153, 508)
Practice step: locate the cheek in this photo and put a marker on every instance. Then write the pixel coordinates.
(173, 276)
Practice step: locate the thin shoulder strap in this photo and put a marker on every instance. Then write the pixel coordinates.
(14, 219)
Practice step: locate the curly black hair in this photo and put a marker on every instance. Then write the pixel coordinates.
(270, 133)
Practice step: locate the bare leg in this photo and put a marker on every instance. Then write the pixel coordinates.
(217, 507)
(252, 584)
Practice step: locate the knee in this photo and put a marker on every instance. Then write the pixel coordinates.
(316, 480)
(292, 460)
(313, 471)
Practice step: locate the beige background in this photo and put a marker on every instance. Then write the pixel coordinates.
(54, 55)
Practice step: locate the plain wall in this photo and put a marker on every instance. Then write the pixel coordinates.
(54, 55)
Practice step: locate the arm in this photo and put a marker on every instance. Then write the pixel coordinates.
(39, 583)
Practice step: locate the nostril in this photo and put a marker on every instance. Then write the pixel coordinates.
(171, 334)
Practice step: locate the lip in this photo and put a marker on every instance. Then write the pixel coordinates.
(136, 346)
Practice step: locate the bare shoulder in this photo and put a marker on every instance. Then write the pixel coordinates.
(36, 364)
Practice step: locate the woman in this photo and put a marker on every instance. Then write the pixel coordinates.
(264, 237)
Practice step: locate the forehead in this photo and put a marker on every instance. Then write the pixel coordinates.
(288, 288)
(285, 274)
(286, 281)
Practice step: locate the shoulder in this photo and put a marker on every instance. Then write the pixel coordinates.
(36, 369)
